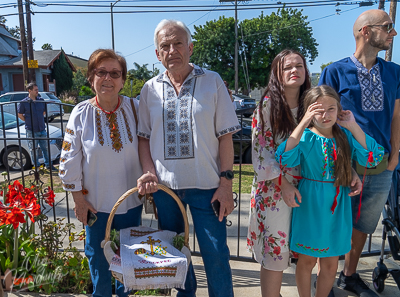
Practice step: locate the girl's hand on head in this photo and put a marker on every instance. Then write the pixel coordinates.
(313, 110)
(345, 119)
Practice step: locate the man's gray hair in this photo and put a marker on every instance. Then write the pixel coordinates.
(165, 23)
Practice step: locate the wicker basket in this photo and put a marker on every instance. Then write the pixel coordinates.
(106, 244)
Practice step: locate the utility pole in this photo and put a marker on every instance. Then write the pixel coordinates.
(32, 74)
(381, 4)
(392, 15)
(112, 23)
(23, 41)
(236, 52)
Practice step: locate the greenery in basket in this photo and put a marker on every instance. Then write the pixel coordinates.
(178, 241)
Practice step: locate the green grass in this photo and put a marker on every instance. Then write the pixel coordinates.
(246, 178)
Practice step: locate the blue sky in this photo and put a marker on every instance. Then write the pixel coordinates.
(81, 34)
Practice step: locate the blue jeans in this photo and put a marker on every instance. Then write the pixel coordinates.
(42, 144)
(211, 236)
(99, 267)
(374, 195)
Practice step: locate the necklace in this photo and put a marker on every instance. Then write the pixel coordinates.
(107, 112)
(112, 119)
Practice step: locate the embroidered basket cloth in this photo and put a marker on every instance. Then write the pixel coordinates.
(148, 259)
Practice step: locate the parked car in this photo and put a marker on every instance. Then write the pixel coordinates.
(244, 104)
(53, 110)
(243, 138)
(14, 158)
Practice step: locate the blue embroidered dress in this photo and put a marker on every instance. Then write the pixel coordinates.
(316, 231)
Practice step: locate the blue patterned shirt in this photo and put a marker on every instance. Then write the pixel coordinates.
(370, 95)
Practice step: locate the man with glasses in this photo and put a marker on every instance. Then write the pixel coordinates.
(369, 87)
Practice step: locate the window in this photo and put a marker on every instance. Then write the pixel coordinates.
(5, 98)
(19, 97)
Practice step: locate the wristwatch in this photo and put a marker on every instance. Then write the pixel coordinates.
(228, 174)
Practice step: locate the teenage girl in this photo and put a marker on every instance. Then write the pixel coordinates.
(322, 225)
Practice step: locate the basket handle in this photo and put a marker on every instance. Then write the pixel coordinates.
(134, 190)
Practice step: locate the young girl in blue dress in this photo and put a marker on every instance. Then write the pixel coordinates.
(322, 225)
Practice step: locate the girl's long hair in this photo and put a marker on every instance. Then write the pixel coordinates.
(343, 175)
(281, 118)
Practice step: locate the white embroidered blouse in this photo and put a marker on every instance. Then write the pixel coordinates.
(93, 160)
(183, 129)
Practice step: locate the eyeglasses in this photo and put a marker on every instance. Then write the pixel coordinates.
(388, 27)
(112, 73)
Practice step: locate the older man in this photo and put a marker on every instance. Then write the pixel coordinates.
(369, 87)
(186, 121)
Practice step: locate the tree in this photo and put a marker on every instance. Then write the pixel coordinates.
(79, 79)
(47, 46)
(62, 73)
(137, 85)
(141, 72)
(324, 65)
(263, 38)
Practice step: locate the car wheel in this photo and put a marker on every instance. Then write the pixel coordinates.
(247, 156)
(13, 160)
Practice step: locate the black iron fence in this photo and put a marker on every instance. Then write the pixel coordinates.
(17, 163)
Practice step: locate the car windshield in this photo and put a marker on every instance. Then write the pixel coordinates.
(10, 121)
(52, 96)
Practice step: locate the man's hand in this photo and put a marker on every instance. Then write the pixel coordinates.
(356, 184)
(225, 197)
(147, 183)
(393, 161)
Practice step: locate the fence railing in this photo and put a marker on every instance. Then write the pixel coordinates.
(15, 156)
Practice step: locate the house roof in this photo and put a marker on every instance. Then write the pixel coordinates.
(5, 48)
(45, 59)
(78, 61)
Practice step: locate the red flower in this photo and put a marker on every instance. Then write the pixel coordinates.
(250, 242)
(277, 250)
(268, 134)
(49, 196)
(271, 239)
(265, 189)
(262, 207)
(261, 227)
(15, 217)
(254, 122)
(252, 202)
(253, 235)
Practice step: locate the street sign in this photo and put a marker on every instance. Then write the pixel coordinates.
(33, 64)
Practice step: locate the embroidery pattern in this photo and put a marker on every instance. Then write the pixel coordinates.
(66, 146)
(371, 86)
(61, 172)
(128, 129)
(137, 233)
(308, 248)
(98, 127)
(178, 135)
(69, 186)
(69, 131)
(329, 165)
(63, 159)
(114, 132)
(228, 130)
(150, 272)
(144, 135)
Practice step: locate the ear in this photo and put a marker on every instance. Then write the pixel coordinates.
(190, 49)
(158, 55)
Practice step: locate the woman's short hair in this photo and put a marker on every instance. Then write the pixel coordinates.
(99, 56)
(165, 23)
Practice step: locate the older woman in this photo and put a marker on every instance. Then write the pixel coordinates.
(99, 160)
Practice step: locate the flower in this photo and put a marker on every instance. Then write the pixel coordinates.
(261, 140)
(283, 242)
(49, 196)
(253, 235)
(277, 250)
(271, 239)
(261, 227)
(262, 208)
(277, 196)
(282, 234)
(268, 133)
(254, 123)
(252, 202)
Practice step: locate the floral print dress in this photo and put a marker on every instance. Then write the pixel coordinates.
(270, 217)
